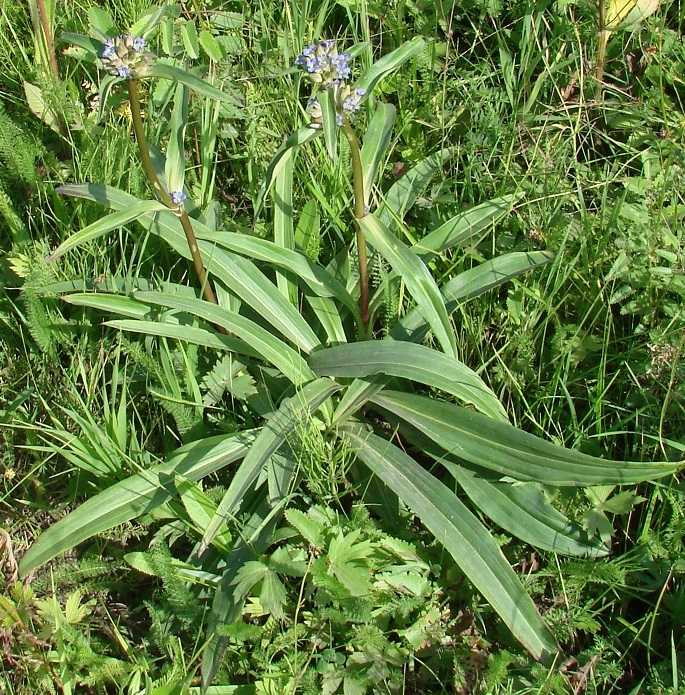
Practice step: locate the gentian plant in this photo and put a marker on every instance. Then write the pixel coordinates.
(420, 423)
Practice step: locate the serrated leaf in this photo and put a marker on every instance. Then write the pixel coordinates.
(210, 46)
(189, 38)
(310, 529)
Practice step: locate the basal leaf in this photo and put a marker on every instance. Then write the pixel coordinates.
(462, 535)
(510, 451)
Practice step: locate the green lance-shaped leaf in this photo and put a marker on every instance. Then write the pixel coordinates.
(329, 122)
(175, 167)
(524, 511)
(462, 227)
(135, 496)
(469, 285)
(389, 63)
(284, 229)
(239, 274)
(416, 277)
(105, 225)
(405, 192)
(110, 304)
(197, 85)
(375, 145)
(298, 138)
(408, 361)
(268, 346)
(510, 451)
(463, 536)
(328, 313)
(187, 334)
(291, 412)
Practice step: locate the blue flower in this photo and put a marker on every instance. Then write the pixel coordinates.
(178, 197)
(108, 51)
(139, 44)
(124, 71)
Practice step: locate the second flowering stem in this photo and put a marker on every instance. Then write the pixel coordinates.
(359, 212)
(175, 204)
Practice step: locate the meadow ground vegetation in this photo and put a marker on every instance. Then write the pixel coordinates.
(342, 347)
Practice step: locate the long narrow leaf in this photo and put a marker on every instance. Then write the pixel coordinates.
(388, 63)
(199, 86)
(284, 230)
(463, 226)
(188, 334)
(375, 146)
(298, 138)
(110, 303)
(239, 274)
(409, 361)
(105, 225)
(469, 285)
(463, 536)
(417, 278)
(318, 279)
(524, 511)
(510, 451)
(405, 192)
(268, 346)
(137, 495)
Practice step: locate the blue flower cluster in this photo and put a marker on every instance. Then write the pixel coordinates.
(328, 68)
(324, 64)
(125, 56)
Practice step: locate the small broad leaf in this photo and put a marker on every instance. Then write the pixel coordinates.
(210, 46)
(189, 38)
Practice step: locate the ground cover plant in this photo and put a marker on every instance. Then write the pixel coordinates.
(303, 439)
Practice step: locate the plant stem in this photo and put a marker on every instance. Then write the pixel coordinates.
(359, 212)
(164, 196)
(47, 34)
